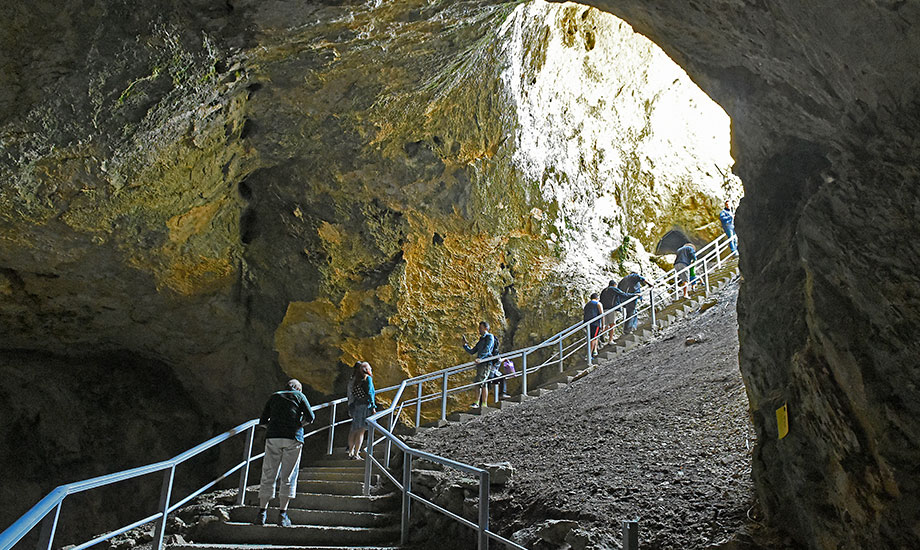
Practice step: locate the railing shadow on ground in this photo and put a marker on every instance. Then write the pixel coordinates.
(554, 351)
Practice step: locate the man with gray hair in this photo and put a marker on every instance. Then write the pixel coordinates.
(285, 413)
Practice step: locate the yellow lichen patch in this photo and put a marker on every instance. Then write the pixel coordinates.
(200, 275)
(196, 220)
(330, 233)
(380, 351)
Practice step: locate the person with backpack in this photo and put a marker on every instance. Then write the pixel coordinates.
(593, 311)
(631, 286)
(484, 349)
(361, 404)
(686, 256)
(285, 414)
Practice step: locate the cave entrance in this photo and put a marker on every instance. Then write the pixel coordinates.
(673, 240)
(625, 146)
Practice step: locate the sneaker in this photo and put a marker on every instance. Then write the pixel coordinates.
(284, 520)
(475, 406)
(262, 517)
(506, 396)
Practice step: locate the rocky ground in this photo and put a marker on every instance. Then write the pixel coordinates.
(662, 434)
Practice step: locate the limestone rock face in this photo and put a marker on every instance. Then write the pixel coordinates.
(822, 97)
(236, 191)
(230, 194)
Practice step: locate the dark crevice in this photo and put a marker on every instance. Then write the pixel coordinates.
(513, 316)
(248, 228)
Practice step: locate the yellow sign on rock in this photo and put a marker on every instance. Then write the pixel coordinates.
(782, 421)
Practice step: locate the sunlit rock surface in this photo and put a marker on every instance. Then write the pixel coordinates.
(825, 118)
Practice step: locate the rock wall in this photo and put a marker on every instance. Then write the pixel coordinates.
(822, 97)
(221, 195)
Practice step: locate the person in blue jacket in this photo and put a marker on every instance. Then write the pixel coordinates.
(728, 225)
(483, 349)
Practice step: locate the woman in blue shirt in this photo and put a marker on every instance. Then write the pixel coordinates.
(361, 404)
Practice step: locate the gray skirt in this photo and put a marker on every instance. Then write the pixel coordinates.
(359, 413)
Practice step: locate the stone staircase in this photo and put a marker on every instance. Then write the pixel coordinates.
(674, 311)
(329, 513)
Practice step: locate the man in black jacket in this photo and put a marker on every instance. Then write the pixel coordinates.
(631, 285)
(285, 413)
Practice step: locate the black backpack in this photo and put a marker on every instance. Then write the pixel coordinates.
(496, 348)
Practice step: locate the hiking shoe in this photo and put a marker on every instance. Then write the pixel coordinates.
(262, 517)
(284, 520)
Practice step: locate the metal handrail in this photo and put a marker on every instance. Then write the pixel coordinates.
(47, 511)
(409, 453)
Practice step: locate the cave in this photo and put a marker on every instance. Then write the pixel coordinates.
(209, 194)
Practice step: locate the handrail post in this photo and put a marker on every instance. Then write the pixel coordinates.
(165, 496)
(484, 510)
(706, 276)
(676, 285)
(444, 397)
(560, 353)
(651, 307)
(524, 381)
(49, 527)
(589, 344)
(389, 441)
(247, 458)
(718, 253)
(368, 459)
(418, 406)
(406, 499)
(331, 429)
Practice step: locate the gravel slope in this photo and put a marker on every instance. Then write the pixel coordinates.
(662, 434)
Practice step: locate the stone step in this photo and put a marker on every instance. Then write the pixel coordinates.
(243, 533)
(342, 518)
(332, 474)
(331, 487)
(342, 462)
(460, 417)
(351, 503)
(539, 392)
(519, 398)
(482, 411)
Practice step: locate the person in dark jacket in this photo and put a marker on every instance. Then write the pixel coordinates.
(485, 369)
(592, 310)
(361, 404)
(631, 285)
(610, 298)
(686, 256)
(728, 225)
(285, 414)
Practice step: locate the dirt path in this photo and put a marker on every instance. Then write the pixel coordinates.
(661, 434)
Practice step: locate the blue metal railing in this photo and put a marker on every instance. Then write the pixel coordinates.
(47, 511)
